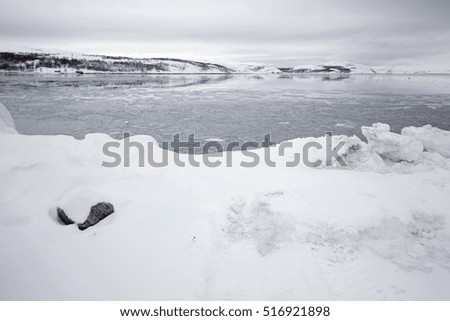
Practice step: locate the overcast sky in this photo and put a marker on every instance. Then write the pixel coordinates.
(284, 33)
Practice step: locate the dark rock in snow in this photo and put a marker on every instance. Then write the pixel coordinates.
(98, 213)
(63, 217)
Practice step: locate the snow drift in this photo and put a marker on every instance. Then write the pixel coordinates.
(6, 121)
(375, 229)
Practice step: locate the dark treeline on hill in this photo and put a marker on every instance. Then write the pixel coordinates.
(29, 61)
(34, 61)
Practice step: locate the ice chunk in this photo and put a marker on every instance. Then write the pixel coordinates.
(432, 138)
(392, 146)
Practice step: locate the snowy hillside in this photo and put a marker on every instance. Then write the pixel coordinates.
(61, 63)
(377, 229)
(22, 59)
(355, 68)
(339, 67)
(51, 61)
(249, 68)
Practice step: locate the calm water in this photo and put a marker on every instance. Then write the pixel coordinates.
(240, 107)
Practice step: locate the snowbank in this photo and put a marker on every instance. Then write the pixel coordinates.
(433, 139)
(7, 125)
(365, 231)
(392, 146)
(414, 146)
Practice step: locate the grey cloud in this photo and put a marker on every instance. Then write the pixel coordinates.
(290, 31)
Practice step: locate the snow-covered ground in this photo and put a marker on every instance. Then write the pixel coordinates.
(376, 229)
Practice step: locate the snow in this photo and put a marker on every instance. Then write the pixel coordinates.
(433, 139)
(356, 68)
(304, 67)
(6, 121)
(156, 65)
(352, 67)
(177, 66)
(377, 229)
(392, 146)
(78, 201)
(250, 68)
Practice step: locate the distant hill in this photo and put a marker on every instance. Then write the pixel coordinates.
(54, 61)
(338, 67)
(355, 68)
(64, 62)
(45, 62)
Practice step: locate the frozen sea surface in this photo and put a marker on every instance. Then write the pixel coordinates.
(223, 107)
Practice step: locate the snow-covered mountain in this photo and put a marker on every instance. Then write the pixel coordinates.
(251, 68)
(355, 68)
(339, 67)
(51, 61)
(17, 59)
